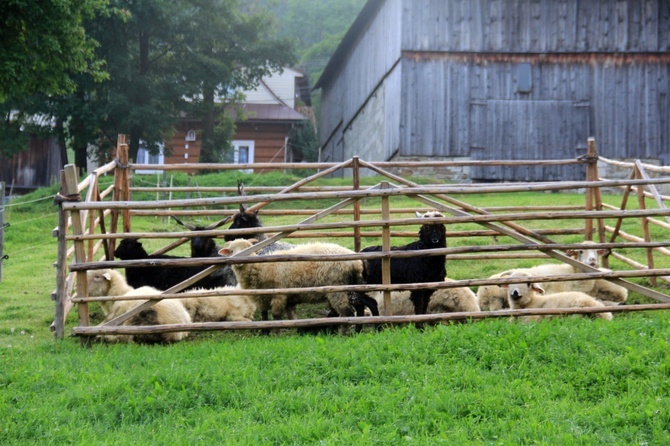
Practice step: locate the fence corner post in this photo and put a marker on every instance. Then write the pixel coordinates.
(591, 175)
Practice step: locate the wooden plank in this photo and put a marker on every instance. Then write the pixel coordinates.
(386, 247)
(70, 174)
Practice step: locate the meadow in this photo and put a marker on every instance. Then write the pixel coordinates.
(498, 381)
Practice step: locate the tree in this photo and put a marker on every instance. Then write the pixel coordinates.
(232, 49)
(167, 58)
(43, 44)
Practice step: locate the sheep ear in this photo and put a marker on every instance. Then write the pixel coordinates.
(537, 288)
(572, 253)
(107, 276)
(418, 214)
(604, 252)
(505, 274)
(253, 241)
(225, 252)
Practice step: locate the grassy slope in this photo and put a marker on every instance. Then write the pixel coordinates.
(493, 382)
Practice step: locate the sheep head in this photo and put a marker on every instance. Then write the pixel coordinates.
(99, 282)
(130, 249)
(520, 294)
(236, 246)
(588, 255)
(244, 220)
(433, 233)
(202, 246)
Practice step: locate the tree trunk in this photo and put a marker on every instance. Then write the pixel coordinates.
(207, 154)
(62, 148)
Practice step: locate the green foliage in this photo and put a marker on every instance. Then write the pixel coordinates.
(303, 139)
(43, 43)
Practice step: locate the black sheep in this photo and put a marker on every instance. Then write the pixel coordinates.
(204, 246)
(165, 277)
(421, 268)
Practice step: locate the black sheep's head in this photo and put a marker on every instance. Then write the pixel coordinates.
(432, 233)
(202, 246)
(129, 249)
(244, 220)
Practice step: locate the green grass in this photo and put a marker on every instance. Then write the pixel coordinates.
(563, 381)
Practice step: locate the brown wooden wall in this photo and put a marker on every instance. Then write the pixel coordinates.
(178, 145)
(38, 166)
(269, 140)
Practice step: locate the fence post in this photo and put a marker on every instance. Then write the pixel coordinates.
(2, 225)
(591, 175)
(71, 191)
(61, 266)
(357, 204)
(386, 247)
(120, 184)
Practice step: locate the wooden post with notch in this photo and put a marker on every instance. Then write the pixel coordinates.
(120, 189)
(591, 175)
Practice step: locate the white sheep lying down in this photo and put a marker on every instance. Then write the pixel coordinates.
(493, 298)
(108, 282)
(298, 275)
(445, 300)
(229, 307)
(528, 295)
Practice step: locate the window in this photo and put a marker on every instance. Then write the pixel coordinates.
(190, 135)
(144, 157)
(524, 78)
(243, 153)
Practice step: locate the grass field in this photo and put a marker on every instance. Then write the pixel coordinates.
(563, 381)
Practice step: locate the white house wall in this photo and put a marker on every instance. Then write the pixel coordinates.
(283, 86)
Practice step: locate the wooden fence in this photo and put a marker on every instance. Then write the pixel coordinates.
(83, 232)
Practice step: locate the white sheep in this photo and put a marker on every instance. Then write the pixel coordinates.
(219, 308)
(444, 300)
(108, 282)
(493, 298)
(298, 275)
(528, 295)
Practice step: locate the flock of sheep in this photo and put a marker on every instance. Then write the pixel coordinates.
(142, 281)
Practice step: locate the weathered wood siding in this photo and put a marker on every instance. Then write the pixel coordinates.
(269, 140)
(471, 106)
(539, 26)
(38, 166)
(596, 68)
(370, 61)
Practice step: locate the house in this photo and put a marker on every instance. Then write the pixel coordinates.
(270, 111)
(504, 79)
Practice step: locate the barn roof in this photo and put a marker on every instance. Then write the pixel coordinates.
(352, 35)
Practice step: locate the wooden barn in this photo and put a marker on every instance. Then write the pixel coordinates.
(270, 113)
(38, 166)
(500, 79)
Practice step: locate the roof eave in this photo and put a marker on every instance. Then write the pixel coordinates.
(352, 34)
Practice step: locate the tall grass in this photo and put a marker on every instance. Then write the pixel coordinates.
(563, 381)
